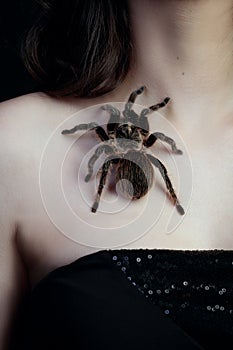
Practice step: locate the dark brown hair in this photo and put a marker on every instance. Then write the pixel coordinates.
(79, 47)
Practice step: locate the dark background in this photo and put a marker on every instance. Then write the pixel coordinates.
(16, 17)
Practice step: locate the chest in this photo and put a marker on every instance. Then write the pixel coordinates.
(52, 236)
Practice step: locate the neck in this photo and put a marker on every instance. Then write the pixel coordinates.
(183, 49)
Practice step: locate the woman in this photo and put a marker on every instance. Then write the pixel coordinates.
(178, 293)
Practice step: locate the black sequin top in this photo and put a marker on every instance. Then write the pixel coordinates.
(133, 299)
(193, 288)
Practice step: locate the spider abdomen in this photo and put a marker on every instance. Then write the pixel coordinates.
(134, 174)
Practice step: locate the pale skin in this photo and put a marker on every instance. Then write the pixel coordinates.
(184, 51)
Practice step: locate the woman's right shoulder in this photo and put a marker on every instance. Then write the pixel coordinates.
(25, 101)
(20, 118)
(26, 122)
(36, 105)
(34, 113)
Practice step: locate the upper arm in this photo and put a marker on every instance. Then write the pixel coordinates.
(13, 276)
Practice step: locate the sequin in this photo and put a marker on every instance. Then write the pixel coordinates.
(119, 263)
(193, 291)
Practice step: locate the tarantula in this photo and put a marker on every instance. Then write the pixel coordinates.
(125, 142)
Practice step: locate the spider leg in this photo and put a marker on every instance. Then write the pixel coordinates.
(104, 172)
(153, 108)
(163, 172)
(114, 119)
(132, 98)
(102, 148)
(159, 135)
(89, 126)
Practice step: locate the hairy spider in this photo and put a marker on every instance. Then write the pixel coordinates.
(124, 144)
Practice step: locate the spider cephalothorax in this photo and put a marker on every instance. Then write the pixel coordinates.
(125, 142)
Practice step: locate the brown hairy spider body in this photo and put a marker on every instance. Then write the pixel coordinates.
(136, 168)
(125, 143)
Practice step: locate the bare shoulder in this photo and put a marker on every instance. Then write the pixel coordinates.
(17, 116)
(29, 102)
(29, 118)
(25, 125)
(35, 106)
